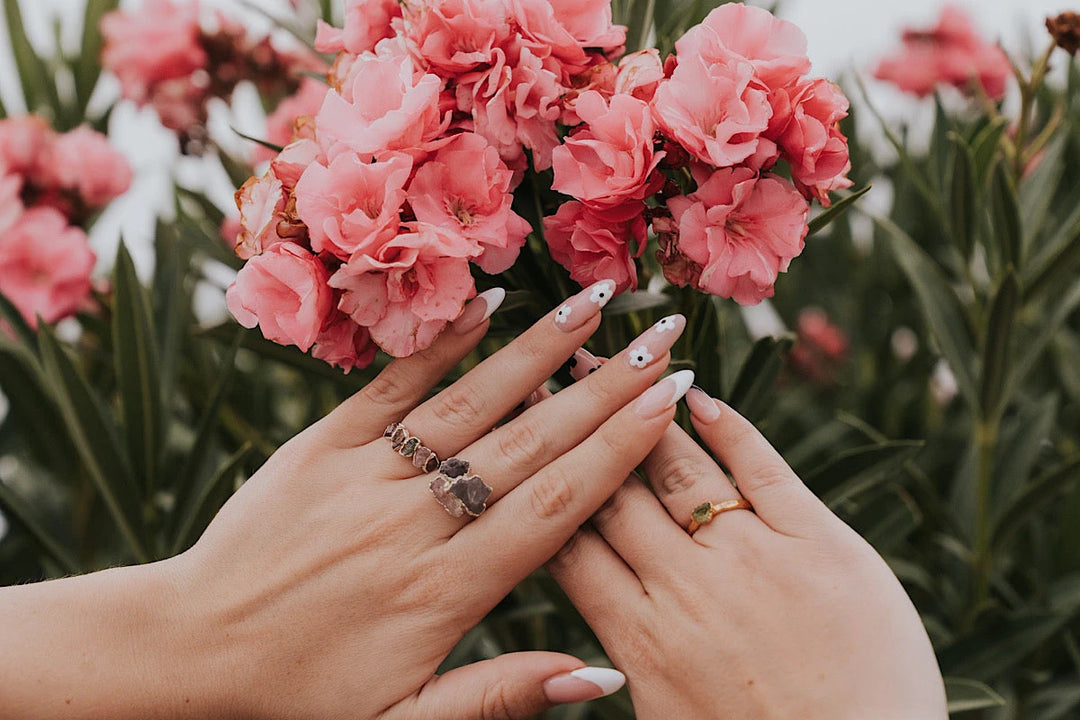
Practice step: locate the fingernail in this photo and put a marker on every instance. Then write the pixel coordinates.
(478, 310)
(701, 405)
(655, 341)
(539, 394)
(663, 394)
(576, 311)
(587, 683)
(583, 363)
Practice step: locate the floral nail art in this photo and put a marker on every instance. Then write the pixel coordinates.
(602, 292)
(563, 314)
(640, 356)
(584, 306)
(666, 325)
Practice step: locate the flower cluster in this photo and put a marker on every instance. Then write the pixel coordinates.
(50, 184)
(165, 58)
(820, 349)
(689, 144)
(951, 53)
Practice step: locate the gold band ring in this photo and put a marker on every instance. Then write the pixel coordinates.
(705, 512)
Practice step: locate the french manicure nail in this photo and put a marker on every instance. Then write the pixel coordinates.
(663, 394)
(703, 407)
(478, 310)
(655, 341)
(536, 396)
(576, 311)
(587, 683)
(583, 363)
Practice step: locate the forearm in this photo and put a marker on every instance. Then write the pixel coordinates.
(112, 644)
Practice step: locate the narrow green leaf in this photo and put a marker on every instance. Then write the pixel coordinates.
(95, 440)
(825, 218)
(11, 315)
(258, 141)
(1033, 349)
(1005, 218)
(18, 511)
(965, 695)
(136, 364)
(757, 376)
(36, 416)
(962, 196)
(636, 302)
(639, 24)
(993, 651)
(209, 500)
(887, 520)
(1021, 441)
(984, 149)
(1039, 188)
(997, 348)
(1056, 261)
(855, 470)
(939, 304)
(32, 71)
(941, 145)
(1030, 505)
(87, 68)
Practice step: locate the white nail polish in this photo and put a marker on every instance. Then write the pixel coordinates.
(606, 679)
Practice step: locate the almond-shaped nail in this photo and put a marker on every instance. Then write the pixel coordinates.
(703, 407)
(479, 309)
(576, 311)
(655, 341)
(587, 683)
(663, 394)
(583, 363)
(537, 396)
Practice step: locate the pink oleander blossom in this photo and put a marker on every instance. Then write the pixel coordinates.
(284, 291)
(11, 206)
(289, 165)
(452, 37)
(344, 344)
(23, 141)
(610, 160)
(45, 265)
(465, 189)
(366, 23)
(742, 229)
(84, 162)
(593, 246)
(806, 125)
(409, 290)
(951, 53)
(639, 74)
(565, 28)
(351, 205)
(281, 124)
(261, 201)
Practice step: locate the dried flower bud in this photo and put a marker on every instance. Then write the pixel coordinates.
(1066, 31)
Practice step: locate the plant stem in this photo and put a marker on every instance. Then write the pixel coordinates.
(986, 432)
(1028, 92)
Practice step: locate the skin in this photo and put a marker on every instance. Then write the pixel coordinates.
(332, 585)
(780, 612)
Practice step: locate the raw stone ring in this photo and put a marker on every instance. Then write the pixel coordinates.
(408, 446)
(458, 491)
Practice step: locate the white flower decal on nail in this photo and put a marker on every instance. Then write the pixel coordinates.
(602, 292)
(563, 314)
(640, 356)
(665, 325)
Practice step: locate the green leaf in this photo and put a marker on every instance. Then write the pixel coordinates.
(11, 315)
(18, 511)
(38, 420)
(825, 218)
(757, 376)
(939, 304)
(994, 651)
(997, 349)
(212, 495)
(855, 470)
(1038, 189)
(887, 520)
(1005, 218)
(264, 143)
(87, 68)
(639, 24)
(92, 432)
(962, 195)
(1033, 349)
(636, 302)
(136, 363)
(35, 77)
(1022, 439)
(1057, 260)
(1030, 505)
(965, 695)
(984, 149)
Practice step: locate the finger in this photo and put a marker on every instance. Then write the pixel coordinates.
(515, 451)
(684, 476)
(639, 529)
(510, 687)
(406, 381)
(474, 404)
(526, 527)
(596, 579)
(779, 497)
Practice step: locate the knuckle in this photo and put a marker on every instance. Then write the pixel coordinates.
(552, 496)
(495, 703)
(602, 394)
(388, 389)
(612, 506)
(532, 346)
(768, 479)
(677, 473)
(564, 556)
(460, 404)
(522, 445)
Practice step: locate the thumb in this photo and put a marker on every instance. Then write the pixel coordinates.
(511, 687)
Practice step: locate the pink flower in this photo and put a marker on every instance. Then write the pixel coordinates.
(344, 344)
(230, 229)
(366, 23)
(564, 28)
(352, 205)
(610, 159)
(391, 108)
(281, 123)
(284, 292)
(593, 246)
(23, 141)
(11, 206)
(261, 201)
(294, 159)
(465, 190)
(775, 48)
(45, 265)
(716, 110)
(159, 41)
(821, 347)
(639, 74)
(452, 37)
(743, 230)
(409, 290)
(952, 53)
(83, 161)
(807, 127)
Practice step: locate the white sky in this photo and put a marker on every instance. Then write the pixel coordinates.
(843, 35)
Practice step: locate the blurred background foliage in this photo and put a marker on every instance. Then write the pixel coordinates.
(930, 391)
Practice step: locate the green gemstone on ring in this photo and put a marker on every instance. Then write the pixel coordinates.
(702, 513)
(409, 447)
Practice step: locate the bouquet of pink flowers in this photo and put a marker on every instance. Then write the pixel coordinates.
(445, 119)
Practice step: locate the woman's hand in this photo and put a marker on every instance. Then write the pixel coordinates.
(333, 584)
(783, 612)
